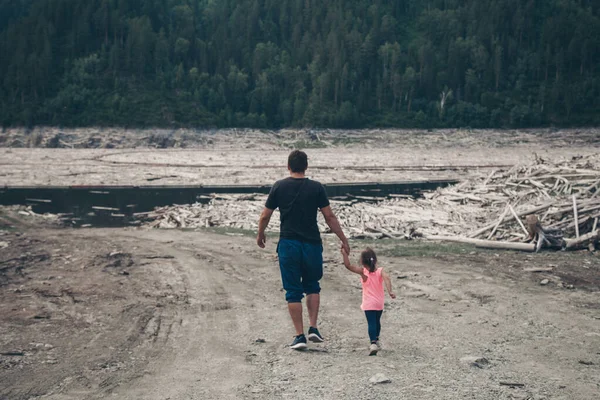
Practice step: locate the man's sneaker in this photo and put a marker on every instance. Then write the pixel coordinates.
(314, 335)
(299, 343)
(373, 349)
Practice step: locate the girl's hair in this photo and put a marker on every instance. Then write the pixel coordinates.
(369, 259)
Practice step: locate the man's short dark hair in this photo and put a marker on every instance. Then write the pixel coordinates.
(298, 161)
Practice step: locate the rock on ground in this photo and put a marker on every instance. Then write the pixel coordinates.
(379, 378)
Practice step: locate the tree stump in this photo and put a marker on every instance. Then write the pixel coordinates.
(551, 238)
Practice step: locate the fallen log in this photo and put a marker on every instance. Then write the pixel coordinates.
(491, 244)
(488, 244)
(582, 241)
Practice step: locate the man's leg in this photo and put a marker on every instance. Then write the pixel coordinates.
(295, 310)
(312, 272)
(290, 265)
(312, 303)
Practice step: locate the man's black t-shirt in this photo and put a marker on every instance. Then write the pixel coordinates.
(298, 201)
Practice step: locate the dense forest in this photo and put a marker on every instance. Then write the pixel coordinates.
(277, 63)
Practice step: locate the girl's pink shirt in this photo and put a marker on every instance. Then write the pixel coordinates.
(373, 295)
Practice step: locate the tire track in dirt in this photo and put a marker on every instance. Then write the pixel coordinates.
(87, 318)
(206, 360)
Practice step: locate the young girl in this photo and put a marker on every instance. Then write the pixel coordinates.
(373, 295)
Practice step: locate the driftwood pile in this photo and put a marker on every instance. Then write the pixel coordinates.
(360, 217)
(527, 207)
(231, 211)
(558, 201)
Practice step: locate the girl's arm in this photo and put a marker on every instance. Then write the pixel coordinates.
(350, 267)
(388, 284)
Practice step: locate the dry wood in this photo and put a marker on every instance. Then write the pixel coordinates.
(536, 184)
(489, 177)
(540, 242)
(593, 186)
(567, 206)
(499, 222)
(579, 222)
(39, 200)
(99, 208)
(490, 244)
(582, 241)
(450, 211)
(545, 215)
(520, 214)
(518, 219)
(588, 209)
(506, 245)
(461, 197)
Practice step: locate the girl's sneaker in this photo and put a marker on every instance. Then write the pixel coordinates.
(373, 349)
(314, 335)
(299, 343)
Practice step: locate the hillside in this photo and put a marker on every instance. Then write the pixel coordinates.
(281, 63)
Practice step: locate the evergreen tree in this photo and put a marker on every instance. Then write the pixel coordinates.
(275, 63)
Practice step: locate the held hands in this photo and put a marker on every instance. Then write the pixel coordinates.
(345, 254)
(345, 248)
(261, 239)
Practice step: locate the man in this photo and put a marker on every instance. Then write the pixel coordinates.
(300, 249)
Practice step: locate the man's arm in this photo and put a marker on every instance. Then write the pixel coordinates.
(335, 227)
(263, 222)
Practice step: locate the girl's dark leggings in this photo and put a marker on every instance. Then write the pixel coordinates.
(374, 321)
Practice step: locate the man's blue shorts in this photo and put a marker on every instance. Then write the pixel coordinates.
(301, 266)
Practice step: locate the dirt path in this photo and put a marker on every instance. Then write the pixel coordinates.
(183, 322)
